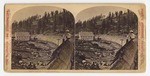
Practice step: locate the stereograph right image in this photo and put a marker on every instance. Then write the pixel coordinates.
(106, 39)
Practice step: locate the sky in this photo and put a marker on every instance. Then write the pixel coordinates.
(82, 15)
(30, 11)
(95, 11)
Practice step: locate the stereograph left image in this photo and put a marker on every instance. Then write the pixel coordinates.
(37, 36)
(95, 37)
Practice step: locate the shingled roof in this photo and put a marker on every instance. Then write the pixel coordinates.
(86, 33)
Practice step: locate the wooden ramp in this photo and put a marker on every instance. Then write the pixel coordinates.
(126, 56)
(61, 57)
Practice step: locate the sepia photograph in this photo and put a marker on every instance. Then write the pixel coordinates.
(66, 38)
(42, 39)
(105, 37)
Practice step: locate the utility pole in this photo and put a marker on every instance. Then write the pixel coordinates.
(58, 41)
(121, 42)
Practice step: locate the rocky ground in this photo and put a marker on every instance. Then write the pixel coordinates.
(31, 54)
(97, 54)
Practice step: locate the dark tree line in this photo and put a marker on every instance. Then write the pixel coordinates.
(115, 23)
(118, 22)
(50, 22)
